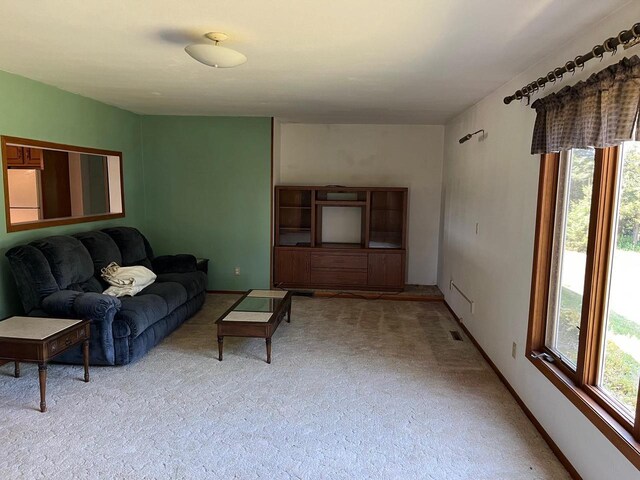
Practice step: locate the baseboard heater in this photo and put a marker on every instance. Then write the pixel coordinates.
(463, 295)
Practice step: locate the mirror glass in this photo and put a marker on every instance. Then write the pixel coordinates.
(49, 184)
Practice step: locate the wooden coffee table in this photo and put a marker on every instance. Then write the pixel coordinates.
(257, 314)
(38, 340)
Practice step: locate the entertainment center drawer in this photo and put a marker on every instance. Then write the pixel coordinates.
(338, 277)
(339, 261)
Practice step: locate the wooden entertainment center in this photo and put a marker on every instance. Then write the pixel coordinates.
(340, 237)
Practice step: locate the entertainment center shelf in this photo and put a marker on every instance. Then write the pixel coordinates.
(342, 203)
(340, 237)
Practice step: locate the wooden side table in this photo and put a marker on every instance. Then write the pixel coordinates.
(38, 340)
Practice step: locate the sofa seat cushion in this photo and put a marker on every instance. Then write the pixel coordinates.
(91, 285)
(193, 282)
(141, 311)
(174, 294)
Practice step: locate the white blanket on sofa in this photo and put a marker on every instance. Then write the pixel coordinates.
(126, 280)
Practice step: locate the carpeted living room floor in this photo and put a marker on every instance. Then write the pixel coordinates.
(357, 389)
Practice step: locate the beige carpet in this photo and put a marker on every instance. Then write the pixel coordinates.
(357, 389)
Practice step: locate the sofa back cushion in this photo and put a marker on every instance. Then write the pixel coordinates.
(33, 275)
(134, 248)
(70, 263)
(103, 251)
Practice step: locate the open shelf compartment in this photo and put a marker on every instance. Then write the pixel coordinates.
(340, 196)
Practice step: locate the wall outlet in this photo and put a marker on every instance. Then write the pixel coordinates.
(514, 349)
(236, 271)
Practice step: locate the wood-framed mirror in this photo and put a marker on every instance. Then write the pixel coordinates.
(48, 184)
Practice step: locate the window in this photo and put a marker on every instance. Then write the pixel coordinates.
(619, 371)
(584, 331)
(573, 208)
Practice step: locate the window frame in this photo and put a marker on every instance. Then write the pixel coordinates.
(580, 386)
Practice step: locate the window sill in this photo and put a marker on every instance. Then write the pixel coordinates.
(620, 437)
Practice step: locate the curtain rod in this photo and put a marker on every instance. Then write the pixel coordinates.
(611, 44)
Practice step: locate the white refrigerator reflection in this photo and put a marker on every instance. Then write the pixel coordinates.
(25, 203)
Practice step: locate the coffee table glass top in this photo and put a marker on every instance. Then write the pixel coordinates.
(33, 328)
(256, 306)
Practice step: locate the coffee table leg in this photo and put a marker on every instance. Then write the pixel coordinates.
(42, 371)
(85, 357)
(289, 314)
(220, 347)
(16, 371)
(268, 350)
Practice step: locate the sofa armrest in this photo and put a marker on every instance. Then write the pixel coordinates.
(100, 309)
(72, 304)
(174, 264)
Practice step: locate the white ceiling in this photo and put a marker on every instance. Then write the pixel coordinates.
(343, 61)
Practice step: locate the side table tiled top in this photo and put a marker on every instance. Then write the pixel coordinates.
(33, 328)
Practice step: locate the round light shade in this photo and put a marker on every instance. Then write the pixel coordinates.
(215, 55)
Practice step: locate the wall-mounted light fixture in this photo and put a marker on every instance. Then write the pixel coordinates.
(469, 135)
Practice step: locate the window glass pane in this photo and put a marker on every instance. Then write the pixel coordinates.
(620, 369)
(571, 233)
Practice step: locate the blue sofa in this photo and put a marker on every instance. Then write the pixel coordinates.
(59, 276)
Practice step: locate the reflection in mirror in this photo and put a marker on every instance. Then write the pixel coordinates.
(46, 185)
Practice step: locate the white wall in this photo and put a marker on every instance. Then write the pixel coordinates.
(374, 155)
(494, 182)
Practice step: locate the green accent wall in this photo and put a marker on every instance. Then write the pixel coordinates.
(30, 109)
(198, 185)
(208, 192)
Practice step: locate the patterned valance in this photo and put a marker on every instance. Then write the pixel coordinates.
(599, 112)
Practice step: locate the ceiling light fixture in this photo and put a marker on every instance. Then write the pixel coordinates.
(213, 54)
